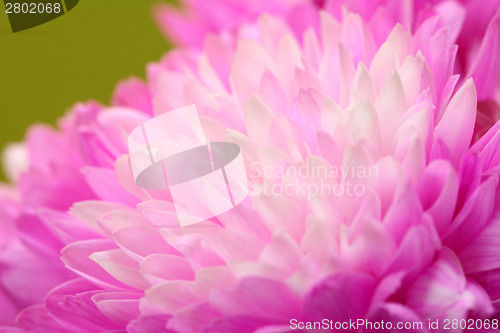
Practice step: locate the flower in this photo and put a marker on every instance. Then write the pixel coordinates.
(473, 24)
(413, 240)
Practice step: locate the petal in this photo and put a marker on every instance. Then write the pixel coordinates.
(220, 57)
(486, 68)
(417, 249)
(282, 252)
(340, 297)
(363, 88)
(151, 242)
(181, 27)
(272, 93)
(390, 55)
(442, 291)
(36, 234)
(319, 240)
(473, 217)
(438, 192)
(240, 324)
(396, 313)
(120, 307)
(20, 265)
(89, 212)
(105, 184)
(15, 160)
(36, 318)
(404, 213)
(134, 94)
(149, 324)
(66, 227)
(258, 297)
(390, 106)
(457, 124)
(278, 211)
(159, 213)
(171, 296)
(84, 308)
(121, 267)
(483, 253)
(76, 258)
(60, 305)
(159, 267)
(117, 219)
(258, 119)
(193, 319)
(452, 15)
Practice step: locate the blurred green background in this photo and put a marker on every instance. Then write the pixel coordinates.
(76, 57)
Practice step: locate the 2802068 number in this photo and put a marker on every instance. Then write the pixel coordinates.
(470, 324)
(32, 8)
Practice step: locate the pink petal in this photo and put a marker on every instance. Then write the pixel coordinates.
(274, 214)
(486, 67)
(438, 192)
(258, 297)
(390, 55)
(76, 314)
(319, 240)
(158, 267)
(482, 253)
(258, 119)
(120, 307)
(469, 179)
(396, 313)
(340, 297)
(194, 318)
(417, 249)
(149, 324)
(20, 265)
(473, 217)
(126, 178)
(272, 93)
(457, 124)
(89, 212)
(452, 15)
(363, 87)
(121, 267)
(126, 238)
(171, 296)
(490, 155)
(66, 227)
(9, 310)
(240, 324)
(179, 26)
(404, 213)
(442, 291)
(76, 257)
(134, 94)
(282, 252)
(35, 318)
(35, 234)
(117, 219)
(105, 184)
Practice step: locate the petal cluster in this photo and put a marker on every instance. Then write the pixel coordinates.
(373, 197)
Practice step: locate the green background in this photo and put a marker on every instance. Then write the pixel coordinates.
(76, 57)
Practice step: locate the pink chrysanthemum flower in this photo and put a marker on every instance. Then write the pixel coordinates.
(473, 24)
(414, 239)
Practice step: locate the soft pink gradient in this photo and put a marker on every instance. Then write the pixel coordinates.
(420, 243)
